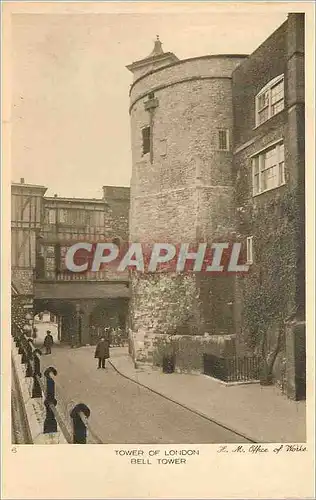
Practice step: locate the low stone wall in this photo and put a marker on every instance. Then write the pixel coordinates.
(279, 371)
(187, 349)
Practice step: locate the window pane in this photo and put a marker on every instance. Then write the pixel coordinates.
(277, 92)
(222, 139)
(281, 173)
(271, 178)
(263, 100)
(263, 180)
(256, 184)
(281, 152)
(250, 249)
(77, 217)
(255, 174)
(277, 107)
(255, 165)
(263, 115)
(269, 158)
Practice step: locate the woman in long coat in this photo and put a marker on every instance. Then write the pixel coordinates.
(102, 352)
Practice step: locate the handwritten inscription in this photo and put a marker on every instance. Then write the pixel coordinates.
(261, 449)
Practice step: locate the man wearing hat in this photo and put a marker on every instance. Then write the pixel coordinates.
(48, 342)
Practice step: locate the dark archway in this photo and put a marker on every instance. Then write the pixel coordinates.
(65, 313)
(108, 313)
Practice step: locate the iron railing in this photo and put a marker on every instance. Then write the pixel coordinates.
(232, 369)
(46, 390)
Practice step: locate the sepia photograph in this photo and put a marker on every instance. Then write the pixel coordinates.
(216, 154)
(158, 229)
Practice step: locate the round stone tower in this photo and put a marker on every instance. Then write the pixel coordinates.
(181, 187)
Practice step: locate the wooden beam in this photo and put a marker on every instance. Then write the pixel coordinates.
(26, 203)
(21, 248)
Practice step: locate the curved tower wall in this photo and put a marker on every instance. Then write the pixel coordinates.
(183, 191)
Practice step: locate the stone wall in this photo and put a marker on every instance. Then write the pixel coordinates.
(162, 303)
(23, 280)
(188, 350)
(117, 214)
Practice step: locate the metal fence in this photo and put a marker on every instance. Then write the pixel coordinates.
(233, 369)
(45, 389)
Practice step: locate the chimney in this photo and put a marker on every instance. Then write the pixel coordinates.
(22, 181)
(55, 195)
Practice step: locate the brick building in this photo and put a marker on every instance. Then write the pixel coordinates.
(218, 149)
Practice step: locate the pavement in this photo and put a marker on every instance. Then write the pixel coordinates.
(147, 406)
(262, 413)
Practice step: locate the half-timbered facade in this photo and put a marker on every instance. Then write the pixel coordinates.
(43, 228)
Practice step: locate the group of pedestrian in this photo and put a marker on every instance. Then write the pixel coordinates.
(102, 351)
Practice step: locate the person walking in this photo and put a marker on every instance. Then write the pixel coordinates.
(48, 342)
(102, 352)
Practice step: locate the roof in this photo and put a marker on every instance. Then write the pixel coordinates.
(59, 199)
(156, 54)
(23, 185)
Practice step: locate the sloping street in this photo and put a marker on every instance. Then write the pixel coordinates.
(121, 410)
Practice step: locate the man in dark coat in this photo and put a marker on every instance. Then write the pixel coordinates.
(48, 342)
(102, 352)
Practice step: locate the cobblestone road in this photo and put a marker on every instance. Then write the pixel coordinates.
(122, 411)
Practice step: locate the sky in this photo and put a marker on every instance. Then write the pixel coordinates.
(70, 126)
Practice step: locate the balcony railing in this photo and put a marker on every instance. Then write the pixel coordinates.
(107, 275)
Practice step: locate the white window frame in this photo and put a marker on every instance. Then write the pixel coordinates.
(249, 249)
(227, 139)
(267, 89)
(258, 168)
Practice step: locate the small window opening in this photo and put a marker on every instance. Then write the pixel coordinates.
(223, 140)
(146, 140)
(250, 250)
